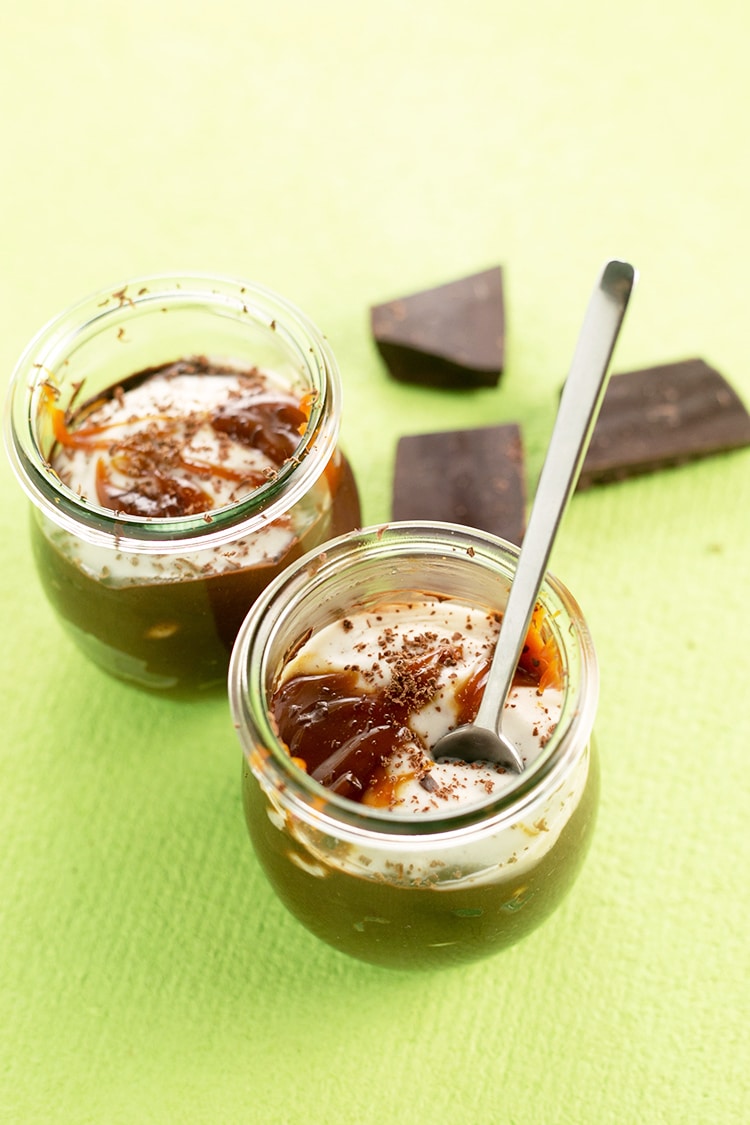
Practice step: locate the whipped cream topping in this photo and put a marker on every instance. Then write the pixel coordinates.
(208, 433)
(424, 663)
(192, 437)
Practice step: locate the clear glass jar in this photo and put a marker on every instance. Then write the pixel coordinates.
(413, 892)
(158, 601)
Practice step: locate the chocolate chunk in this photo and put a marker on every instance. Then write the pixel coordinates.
(662, 416)
(428, 782)
(449, 336)
(472, 477)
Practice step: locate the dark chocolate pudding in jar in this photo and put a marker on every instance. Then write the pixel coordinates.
(346, 671)
(178, 437)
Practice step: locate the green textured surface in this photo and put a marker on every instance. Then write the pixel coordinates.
(344, 154)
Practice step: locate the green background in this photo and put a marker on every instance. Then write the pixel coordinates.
(344, 154)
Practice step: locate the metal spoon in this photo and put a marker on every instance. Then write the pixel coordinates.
(580, 401)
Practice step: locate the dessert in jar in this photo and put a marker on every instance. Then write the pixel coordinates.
(346, 671)
(178, 437)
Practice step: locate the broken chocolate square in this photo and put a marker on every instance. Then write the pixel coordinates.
(449, 336)
(663, 416)
(472, 477)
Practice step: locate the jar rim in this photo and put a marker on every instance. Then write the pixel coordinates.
(105, 309)
(250, 673)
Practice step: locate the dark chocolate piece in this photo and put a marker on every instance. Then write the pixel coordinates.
(662, 416)
(449, 336)
(472, 477)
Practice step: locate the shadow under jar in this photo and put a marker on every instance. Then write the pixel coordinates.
(178, 439)
(345, 670)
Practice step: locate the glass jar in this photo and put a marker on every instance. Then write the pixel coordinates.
(158, 601)
(413, 891)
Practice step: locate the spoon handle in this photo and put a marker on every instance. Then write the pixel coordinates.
(579, 406)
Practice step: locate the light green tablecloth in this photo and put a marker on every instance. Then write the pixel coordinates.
(344, 154)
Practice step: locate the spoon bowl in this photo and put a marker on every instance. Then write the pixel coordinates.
(581, 399)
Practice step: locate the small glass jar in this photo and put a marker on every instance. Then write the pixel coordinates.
(158, 601)
(415, 892)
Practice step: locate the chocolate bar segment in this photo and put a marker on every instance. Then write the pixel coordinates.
(449, 336)
(473, 477)
(662, 416)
